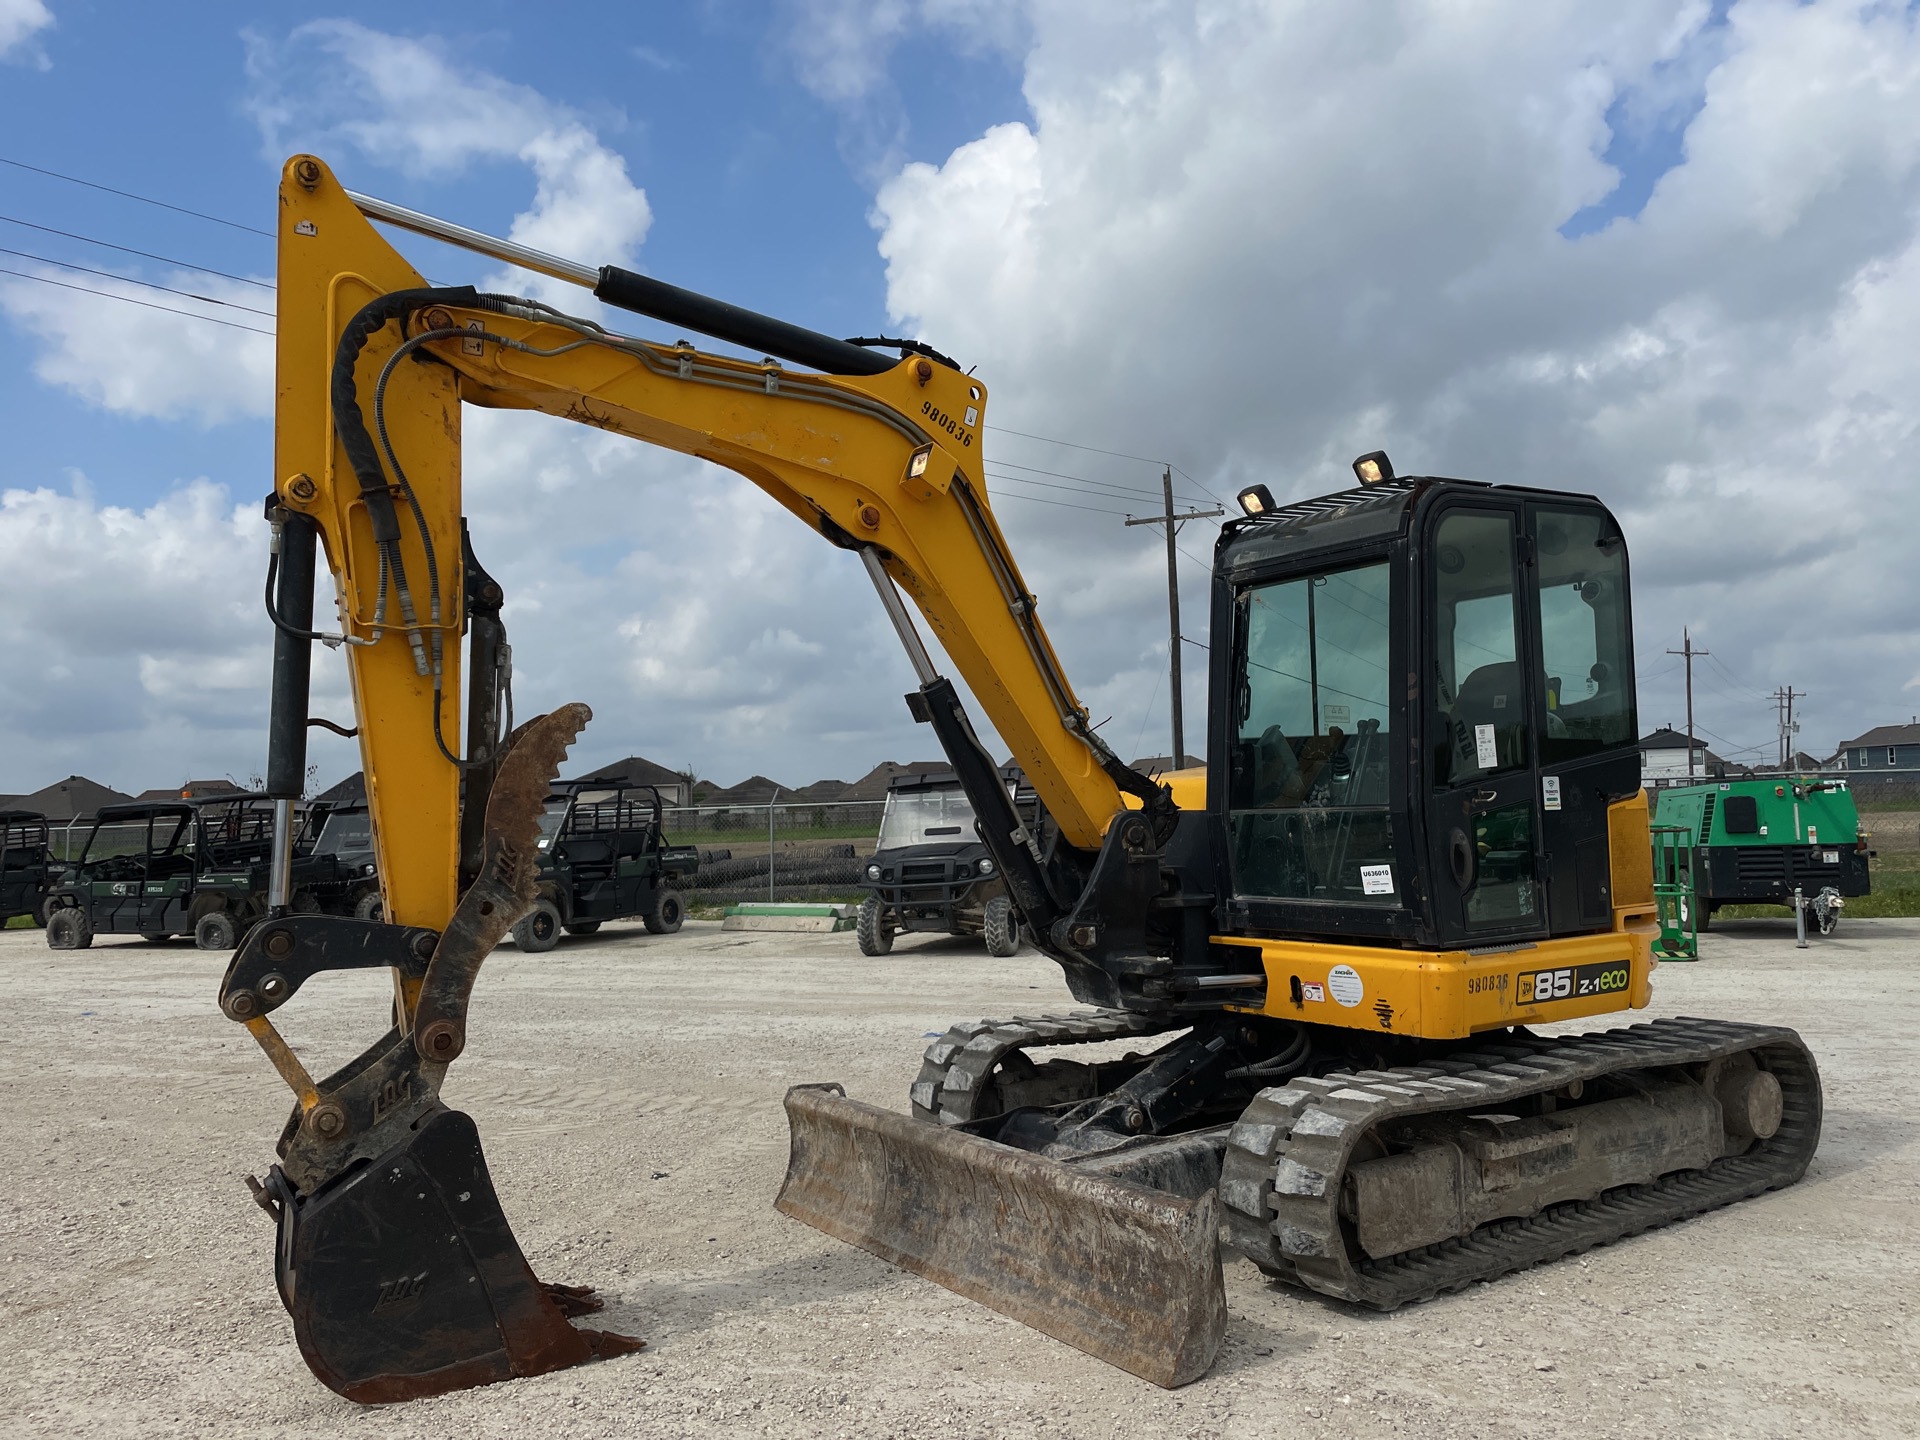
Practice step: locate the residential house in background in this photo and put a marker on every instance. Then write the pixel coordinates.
(71, 801)
(1663, 760)
(638, 770)
(192, 790)
(873, 784)
(1885, 747)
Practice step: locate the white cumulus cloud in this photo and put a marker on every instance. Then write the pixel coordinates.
(20, 21)
(335, 86)
(131, 357)
(1261, 239)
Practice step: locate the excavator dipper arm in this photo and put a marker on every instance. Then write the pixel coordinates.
(395, 1258)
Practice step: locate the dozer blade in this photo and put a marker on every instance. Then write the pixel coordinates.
(1127, 1274)
(404, 1279)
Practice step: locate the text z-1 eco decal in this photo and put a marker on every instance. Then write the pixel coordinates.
(1574, 982)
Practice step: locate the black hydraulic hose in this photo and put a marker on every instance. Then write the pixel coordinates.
(348, 421)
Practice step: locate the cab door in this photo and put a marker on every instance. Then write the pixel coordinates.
(1584, 711)
(1483, 828)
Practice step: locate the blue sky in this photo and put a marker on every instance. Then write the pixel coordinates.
(755, 182)
(1665, 252)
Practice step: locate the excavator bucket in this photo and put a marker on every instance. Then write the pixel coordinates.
(404, 1280)
(1127, 1274)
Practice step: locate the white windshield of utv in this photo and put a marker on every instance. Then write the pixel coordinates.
(344, 833)
(926, 817)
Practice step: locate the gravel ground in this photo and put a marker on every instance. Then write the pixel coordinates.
(628, 1088)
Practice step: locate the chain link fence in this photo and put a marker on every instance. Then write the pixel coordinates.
(783, 851)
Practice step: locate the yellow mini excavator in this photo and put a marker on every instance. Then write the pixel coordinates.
(1420, 833)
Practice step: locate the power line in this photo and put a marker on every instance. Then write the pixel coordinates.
(1037, 500)
(1736, 680)
(129, 280)
(1088, 480)
(129, 250)
(143, 199)
(1087, 491)
(1117, 454)
(143, 304)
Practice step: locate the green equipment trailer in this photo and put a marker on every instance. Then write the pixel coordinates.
(1768, 841)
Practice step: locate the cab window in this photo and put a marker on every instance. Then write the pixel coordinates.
(1585, 635)
(1480, 717)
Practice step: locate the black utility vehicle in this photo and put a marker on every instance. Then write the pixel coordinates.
(26, 865)
(604, 856)
(930, 872)
(334, 869)
(185, 867)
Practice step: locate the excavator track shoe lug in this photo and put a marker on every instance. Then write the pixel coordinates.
(404, 1280)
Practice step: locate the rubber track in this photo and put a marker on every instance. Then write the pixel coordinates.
(1286, 1158)
(956, 1068)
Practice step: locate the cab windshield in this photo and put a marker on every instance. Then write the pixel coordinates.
(926, 817)
(1308, 788)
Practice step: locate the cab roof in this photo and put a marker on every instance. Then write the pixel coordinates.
(1352, 517)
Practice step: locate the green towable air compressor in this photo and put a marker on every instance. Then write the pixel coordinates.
(1762, 842)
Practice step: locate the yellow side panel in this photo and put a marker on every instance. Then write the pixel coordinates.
(1451, 994)
(1630, 854)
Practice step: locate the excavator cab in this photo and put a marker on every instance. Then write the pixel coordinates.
(1426, 712)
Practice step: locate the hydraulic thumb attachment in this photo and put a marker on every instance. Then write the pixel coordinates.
(395, 1259)
(1128, 1274)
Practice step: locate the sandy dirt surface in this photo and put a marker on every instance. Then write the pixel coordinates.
(628, 1089)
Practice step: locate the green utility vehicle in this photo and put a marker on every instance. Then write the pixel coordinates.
(1762, 842)
(26, 865)
(192, 867)
(604, 856)
(334, 871)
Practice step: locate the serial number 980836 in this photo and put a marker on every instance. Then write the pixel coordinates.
(1574, 982)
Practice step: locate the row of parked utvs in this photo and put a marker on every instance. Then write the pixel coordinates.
(195, 868)
(200, 868)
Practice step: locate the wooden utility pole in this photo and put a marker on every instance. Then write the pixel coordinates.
(1172, 522)
(1783, 717)
(1686, 649)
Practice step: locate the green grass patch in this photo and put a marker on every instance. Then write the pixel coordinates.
(18, 922)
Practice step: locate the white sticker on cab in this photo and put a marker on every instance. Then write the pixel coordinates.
(1487, 755)
(1376, 879)
(1550, 792)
